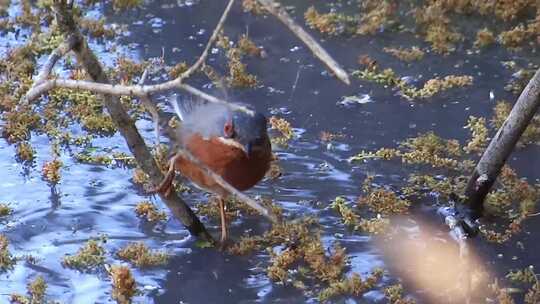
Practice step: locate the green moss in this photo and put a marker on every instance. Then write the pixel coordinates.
(394, 295)
(126, 4)
(330, 23)
(7, 261)
(141, 256)
(149, 211)
(407, 55)
(88, 257)
(36, 293)
(376, 15)
(353, 285)
(5, 210)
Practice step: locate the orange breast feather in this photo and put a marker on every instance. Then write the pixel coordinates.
(230, 162)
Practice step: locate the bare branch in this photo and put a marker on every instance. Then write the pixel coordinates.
(124, 123)
(58, 53)
(211, 41)
(275, 9)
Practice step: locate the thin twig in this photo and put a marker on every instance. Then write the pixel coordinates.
(275, 9)
(58, 53)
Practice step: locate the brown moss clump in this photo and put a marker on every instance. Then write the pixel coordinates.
(36, 293)
(18, 124)
(149, 211)
(126, 4)
(88, 257)
(141, 256)
(382, 201)
(515, 37)
(376, 225)
(7, 261)
(479, 135)
(484, 38)
(354, 285)
(394, 295)
(25, 152)
(51, 171)
(5, 210)
(284, 128)
(96, 27)
(404, 54)
(330, 24)
(178, 69)
(238, 75)
(248, 47)
(533, 294)
(253, 6)
(124, 287)
(522, 276)
(388, 77)
(348, 216)
(376, 15)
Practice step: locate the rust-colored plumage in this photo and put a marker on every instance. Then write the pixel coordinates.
(231, 141)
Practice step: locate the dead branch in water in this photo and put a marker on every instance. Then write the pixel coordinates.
(123, 121)
(502, 145)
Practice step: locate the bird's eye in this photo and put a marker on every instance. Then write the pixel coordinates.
(228, 130)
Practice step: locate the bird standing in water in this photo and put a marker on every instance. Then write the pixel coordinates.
(230, 139)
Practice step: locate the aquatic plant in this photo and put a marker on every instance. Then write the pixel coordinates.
(124, 287)
(376, 15)
(394, 295)
(284, 128)
(36, 293)
(7, 261)
(479, 134)
(484, 38)
(90, 256)
(353, 285)
(331, 24)
(5, 210)
(141, 256)
(51, 171)
(532, 132)
(406, 54)
(150, 212)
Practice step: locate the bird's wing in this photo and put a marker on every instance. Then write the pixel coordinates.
(183, 107)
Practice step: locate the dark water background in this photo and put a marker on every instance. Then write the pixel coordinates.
(92, 200)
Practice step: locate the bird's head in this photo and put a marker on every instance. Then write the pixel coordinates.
(248, 128)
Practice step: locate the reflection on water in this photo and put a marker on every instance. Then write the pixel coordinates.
(92, 200)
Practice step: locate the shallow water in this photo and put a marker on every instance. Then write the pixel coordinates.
(93, 200)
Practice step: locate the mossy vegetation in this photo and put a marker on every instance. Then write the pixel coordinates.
(150, 212)
(141, 256)
(124, 287)
(36, 293)
(7, 260)
(90, 256)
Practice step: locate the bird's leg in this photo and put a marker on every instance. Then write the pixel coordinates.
(224, 234)
(165, 186)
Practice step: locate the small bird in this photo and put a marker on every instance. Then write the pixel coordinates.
(230, 139)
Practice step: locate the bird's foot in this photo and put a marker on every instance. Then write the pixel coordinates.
(166, 185)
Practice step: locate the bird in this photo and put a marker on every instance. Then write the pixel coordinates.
(231, 139)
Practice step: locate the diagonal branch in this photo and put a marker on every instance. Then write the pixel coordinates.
(275, 9)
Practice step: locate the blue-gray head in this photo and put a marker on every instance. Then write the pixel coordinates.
(235, 123)
(248, 128)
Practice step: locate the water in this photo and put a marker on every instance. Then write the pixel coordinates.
(93, 200)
